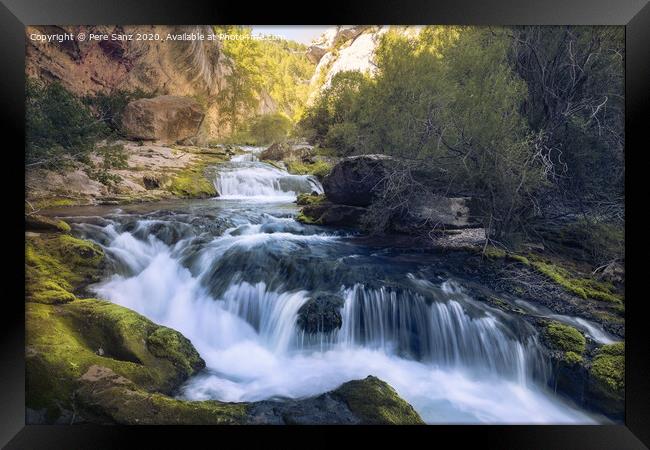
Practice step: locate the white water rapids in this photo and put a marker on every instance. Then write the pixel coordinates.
(235, 296)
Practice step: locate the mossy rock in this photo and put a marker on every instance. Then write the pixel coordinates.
(310, 199)
(585, 288)
(302, 217)
(58, 265)
(106, 397)
(63, 341)
(565, 338)
(376, 403)
(608, 368)
(35, 222)
(193, 181)
(319, 168)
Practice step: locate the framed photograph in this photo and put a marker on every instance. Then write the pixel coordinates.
(414, 225)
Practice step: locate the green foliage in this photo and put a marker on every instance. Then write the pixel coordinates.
(565, 338)
(269, 128)
(58, 125)
(113, 157)
(319, 168)
(261, 70)
(448, 99)
(109, 107)
(332, 119)
(575, 82)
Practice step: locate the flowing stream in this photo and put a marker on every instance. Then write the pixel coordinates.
(232, 274)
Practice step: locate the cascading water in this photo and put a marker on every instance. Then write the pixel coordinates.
(245, 177)
(236, 291)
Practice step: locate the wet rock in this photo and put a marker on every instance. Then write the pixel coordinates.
(35, 222)
(321, 313)
(357, 180)
(364, 402)
(327, 213)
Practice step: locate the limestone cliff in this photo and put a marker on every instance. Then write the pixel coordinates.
(194, 69)
(344, 48)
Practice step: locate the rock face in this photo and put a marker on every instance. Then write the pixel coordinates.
(167, 118)
(356, 180)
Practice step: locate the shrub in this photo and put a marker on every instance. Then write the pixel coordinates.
(58, 125)
(110, 107)
(269, 128)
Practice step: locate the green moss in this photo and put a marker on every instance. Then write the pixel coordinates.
(573, 358)
(38, 223)
(608, 367)
(586, 288)
(58, 264)
(582, 287)
(376, 403)
(319, 168)
(310, 199)
(565, 338)
(308, 220)
(63, 341)
(492, 252)
(192, 183)
(54, 202)
(170, 344)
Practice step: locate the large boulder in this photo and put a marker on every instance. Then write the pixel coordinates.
(356, 180)
(166, 118)
(286, 152)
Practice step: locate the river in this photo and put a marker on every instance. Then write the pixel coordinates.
(232, 273)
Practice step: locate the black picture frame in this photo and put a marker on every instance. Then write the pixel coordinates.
(15, 14)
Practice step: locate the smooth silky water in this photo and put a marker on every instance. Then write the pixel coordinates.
(232, 273)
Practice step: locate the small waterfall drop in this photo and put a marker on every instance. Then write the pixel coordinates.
(246, 178)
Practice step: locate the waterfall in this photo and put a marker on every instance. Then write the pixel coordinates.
(245, 178)
(440, 332)
(237, 294)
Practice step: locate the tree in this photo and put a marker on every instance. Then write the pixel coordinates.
(58, 125)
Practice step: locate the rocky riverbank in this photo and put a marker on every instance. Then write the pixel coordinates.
(535, 283)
